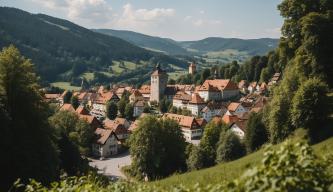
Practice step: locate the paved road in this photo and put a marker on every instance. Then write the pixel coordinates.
(111, 167)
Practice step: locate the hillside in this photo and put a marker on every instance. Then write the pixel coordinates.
(200, 47)
(231, 170)
(159, 44)
(56, 46)
(215, 44)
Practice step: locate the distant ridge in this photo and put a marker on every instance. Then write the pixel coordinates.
(200, 47)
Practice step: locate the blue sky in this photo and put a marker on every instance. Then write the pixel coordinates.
(177, 19)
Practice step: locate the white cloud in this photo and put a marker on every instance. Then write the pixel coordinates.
(51, 4)
(98, 11)
(92, 11)
(198, 22)
(202, 12)
(132, 18)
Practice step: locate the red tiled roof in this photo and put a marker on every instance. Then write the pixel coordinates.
(180, 95)
(233, 106)
(105, 97)
(196, 99)
(104, 135)
(135, 124)
(201, 122)
(218, 85)
(184, 121)
(229, 118)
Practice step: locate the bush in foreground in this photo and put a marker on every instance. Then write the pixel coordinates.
(293, 167)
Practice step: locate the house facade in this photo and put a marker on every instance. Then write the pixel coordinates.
(106, 143)
(218, 90)
(189, 126)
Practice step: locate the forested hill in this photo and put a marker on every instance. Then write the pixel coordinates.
(55, 45)
(200, 47)
(214, 44)
(167, 46)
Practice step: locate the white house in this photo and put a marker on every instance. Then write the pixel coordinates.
(196, 104)
(99, 103)
(253, 87)
(218, 90)
(106, 144)
(138, 107)
(238, 128)
(212, 110)
(189, 126)
(236, 108)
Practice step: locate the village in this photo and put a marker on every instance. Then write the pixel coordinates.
(218, 100)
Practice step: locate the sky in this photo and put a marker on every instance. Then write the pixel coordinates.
(176, 19)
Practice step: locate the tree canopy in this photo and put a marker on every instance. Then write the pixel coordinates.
(157, 148)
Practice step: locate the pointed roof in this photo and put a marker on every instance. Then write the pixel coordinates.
(228, 118)
(218, 85)
(196, 99)
(158, 71)
(104, 135)
(233, 106)
(187, 122)
(192, 64)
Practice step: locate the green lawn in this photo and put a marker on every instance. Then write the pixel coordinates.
(231, 170)
(175, 75)
(65, 86)
(88, 76)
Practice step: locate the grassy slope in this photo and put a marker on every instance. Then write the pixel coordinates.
(65, 86)
(231, 170)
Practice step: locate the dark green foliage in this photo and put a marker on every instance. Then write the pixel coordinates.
(122, 106)
(67, 97)
(70, 157)
(309, 108)
(152, 153)
(157, 43)
(256, 132)
(205, 154)
(62, 50)
(306, 51)
(77, 130)
(129, 110)
(195, 159)
(164, 105)
(285, 165)
(294, 166)
(75, 102)
(258, 46)
(27, 142)
(111, 110)
(229, 147)
(146, 108)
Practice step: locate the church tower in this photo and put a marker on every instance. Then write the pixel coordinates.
(192, 68)
(158, 83)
